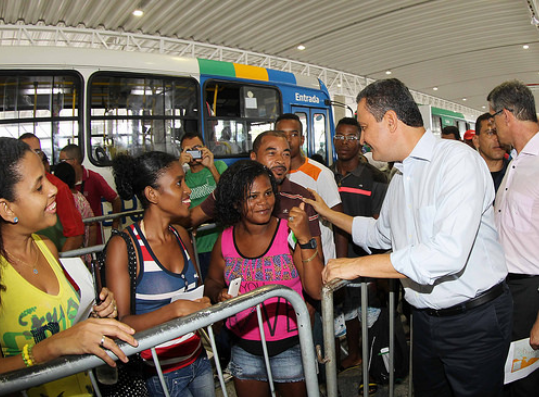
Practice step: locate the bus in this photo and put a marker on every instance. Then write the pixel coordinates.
(111, 102)
(436, 119)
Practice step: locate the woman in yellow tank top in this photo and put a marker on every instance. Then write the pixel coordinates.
(38, 305)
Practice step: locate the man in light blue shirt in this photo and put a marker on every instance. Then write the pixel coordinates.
(438, 219)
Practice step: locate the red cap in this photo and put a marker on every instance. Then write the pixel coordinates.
(469, 135)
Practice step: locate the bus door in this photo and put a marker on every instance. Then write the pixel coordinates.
(316, 130)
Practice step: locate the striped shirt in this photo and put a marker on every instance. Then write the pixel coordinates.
(158, 287)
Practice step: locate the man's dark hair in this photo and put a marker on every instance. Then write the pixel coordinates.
(258, 140)
(73, 152)
(451, 130)
(516, 97)
(480, 119)
(27, 135)
(190, 135)
(348, 121)
(66, 173)
(391, 94)
(290, 116)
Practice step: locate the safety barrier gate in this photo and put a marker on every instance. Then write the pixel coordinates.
(330, 358)
(34, 376)
(30, 377)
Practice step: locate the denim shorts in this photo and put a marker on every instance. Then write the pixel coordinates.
(286, 367)
(195, 380)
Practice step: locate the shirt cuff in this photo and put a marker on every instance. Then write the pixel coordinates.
(360, 227)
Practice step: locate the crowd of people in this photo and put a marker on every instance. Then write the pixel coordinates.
(457, 224)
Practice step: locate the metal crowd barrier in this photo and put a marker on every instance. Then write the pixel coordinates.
(34, 376)
(330, 357)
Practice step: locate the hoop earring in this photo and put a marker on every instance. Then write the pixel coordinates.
(15, 220)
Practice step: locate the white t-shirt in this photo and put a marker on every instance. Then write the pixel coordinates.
(318, 177)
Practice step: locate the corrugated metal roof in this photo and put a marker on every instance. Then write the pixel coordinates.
(463, 47)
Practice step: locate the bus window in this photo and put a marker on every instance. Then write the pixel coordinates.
(135, 113)
(319, 127)
(46, 104)
(235, 114)
(305, 123)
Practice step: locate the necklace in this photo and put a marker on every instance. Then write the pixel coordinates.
(34, 266)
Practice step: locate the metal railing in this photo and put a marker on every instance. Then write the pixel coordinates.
(37, 375)
(330, 357)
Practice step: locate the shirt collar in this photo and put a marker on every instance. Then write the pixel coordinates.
(532, 147)
(423, 150)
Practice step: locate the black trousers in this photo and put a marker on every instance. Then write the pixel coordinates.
(526, 305)
(462, 355)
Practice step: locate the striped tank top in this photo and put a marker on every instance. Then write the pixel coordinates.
(158, 287)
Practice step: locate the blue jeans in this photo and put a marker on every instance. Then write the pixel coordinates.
(195, 380)
(286, 367)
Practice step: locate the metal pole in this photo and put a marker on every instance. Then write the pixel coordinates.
(329, 335)
(217, 363)
(391, 370)
(265, 349)
(365, 337)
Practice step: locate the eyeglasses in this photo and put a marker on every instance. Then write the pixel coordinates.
(349, 138)
(501, 110)
(498, 112)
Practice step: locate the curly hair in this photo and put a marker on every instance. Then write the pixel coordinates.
(233, 188)
(133, 174)
(12, 152)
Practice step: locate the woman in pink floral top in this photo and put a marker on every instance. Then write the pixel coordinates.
(260, 248)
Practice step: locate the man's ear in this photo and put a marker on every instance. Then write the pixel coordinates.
(6, 213)
(391, 120)
(151, 194)
(475, 140)
(253, 156)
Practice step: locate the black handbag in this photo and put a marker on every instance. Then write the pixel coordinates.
(131, 381)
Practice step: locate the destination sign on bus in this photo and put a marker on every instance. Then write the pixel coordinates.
(307, 98)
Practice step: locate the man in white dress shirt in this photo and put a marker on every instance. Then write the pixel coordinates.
(446, 254)
(517, 213)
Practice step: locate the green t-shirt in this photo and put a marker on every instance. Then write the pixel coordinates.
(202, 184)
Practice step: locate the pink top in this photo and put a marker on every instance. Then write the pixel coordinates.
(275, 266)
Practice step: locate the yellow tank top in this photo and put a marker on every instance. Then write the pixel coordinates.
(29, 315)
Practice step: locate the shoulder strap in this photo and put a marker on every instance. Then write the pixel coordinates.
(194, 257)
(131, 266)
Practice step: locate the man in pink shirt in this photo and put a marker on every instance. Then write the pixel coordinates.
(516, 207)
(92, 185)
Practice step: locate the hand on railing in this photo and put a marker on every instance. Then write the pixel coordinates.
(107, 307)
(91, 336)
(185, 307)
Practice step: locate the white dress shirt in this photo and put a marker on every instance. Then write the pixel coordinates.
(517, 210)
(439, 220)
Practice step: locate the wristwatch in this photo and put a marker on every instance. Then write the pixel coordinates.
(311, 245)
